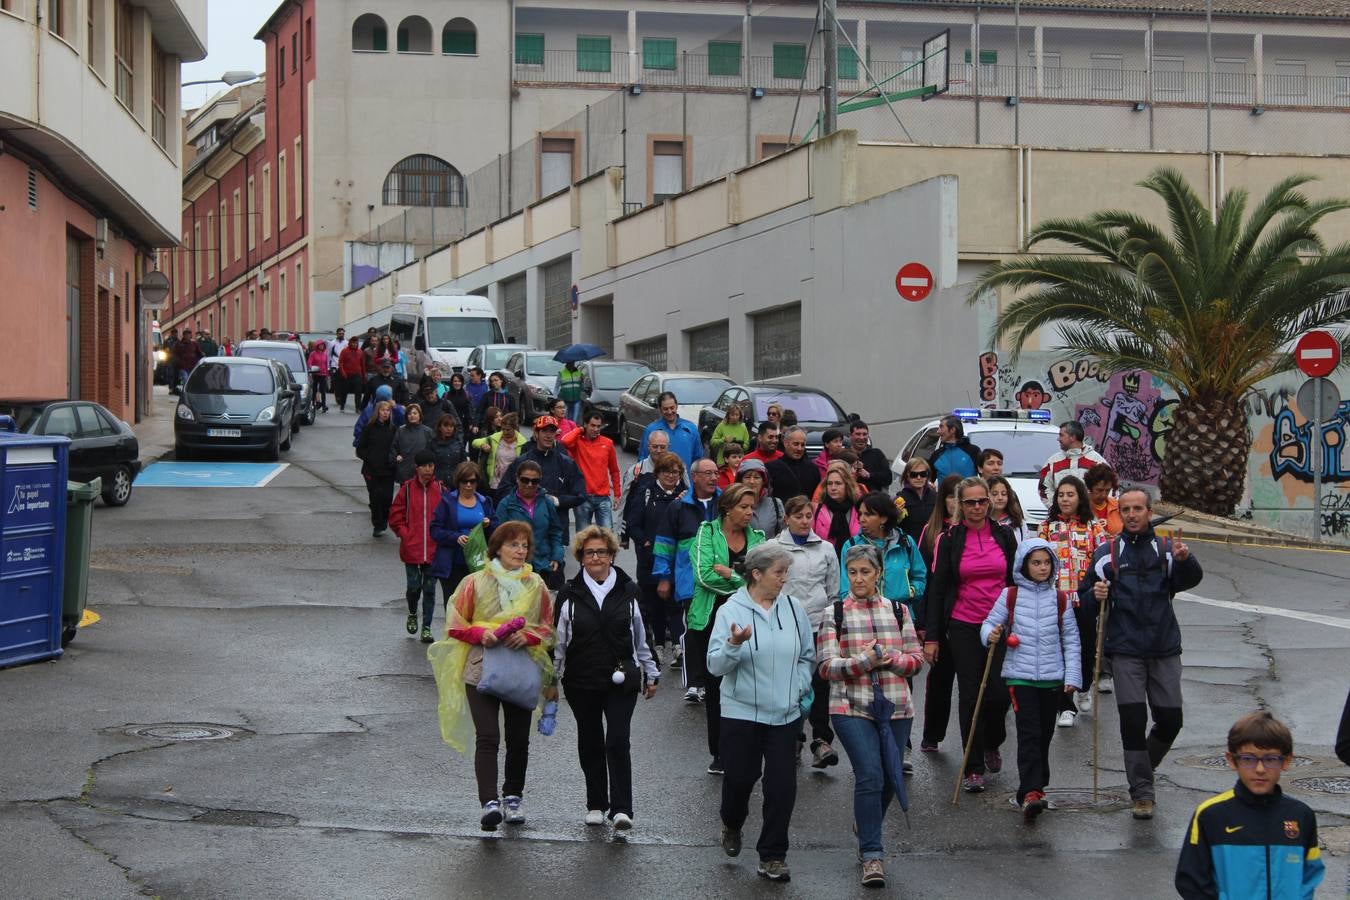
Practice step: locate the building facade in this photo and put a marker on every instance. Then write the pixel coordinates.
(90, 179)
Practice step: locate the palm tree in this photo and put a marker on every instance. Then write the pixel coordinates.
(1210, 307)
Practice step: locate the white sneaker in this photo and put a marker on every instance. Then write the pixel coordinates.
(595, 817)
(1106, 684)
(622, 822)
(1084, 701)
(702, 694)
(691, 695)
(1067, 718)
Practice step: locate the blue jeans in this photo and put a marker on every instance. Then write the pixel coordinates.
(871, 791)
(574, 410)
(598, 510)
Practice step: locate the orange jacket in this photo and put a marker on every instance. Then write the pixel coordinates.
(596, 460)
(1109, 513)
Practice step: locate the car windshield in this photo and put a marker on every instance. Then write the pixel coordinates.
(1024, 452)
(617, 378)
(461, 331)
(222, 378)
(809, 407)
(496, 358)
(291, 358)
(692, 391)
(542, 364)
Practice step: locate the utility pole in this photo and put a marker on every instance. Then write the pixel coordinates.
(1209, 76)
(830, 50)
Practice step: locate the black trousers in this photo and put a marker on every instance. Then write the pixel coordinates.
(820, 710)
(712, 684)
(937, 698)
(603, 720)
(991, 730)
(654, 616)
(380, 490)
(484, 709)
(458, 572)
(749, 749)
(1035, 710)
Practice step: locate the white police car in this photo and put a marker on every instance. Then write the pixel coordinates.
(1026, 437)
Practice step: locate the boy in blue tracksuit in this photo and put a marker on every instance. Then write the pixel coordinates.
(1252, 841)
(1043, 665)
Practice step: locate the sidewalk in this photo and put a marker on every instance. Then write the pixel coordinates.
(155, 431)
(1204, 526)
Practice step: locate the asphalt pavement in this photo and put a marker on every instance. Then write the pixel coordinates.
(267, 625)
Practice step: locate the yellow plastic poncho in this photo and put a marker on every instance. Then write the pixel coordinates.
(487, 599)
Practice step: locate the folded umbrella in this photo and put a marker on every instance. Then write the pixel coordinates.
(579, 352)
(882, 709)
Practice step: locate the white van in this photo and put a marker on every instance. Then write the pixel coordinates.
(452, 325)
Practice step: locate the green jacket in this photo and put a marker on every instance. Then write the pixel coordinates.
(725, 434)
(490, 444)
(710, 549)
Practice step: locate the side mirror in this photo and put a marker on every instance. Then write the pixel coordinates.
(520, 373)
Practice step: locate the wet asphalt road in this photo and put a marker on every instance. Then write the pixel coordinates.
(273, 613)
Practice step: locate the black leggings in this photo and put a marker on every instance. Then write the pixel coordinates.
(991, 730)
(937, 698)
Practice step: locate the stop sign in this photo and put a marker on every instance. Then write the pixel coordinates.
(1317, 353)
(914, 282)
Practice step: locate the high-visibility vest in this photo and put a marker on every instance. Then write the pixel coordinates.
(569, 385)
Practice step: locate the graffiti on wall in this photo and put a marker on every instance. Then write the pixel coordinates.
(1291, 446)
(1065, 374)
(1129, 425)
(1029, 393)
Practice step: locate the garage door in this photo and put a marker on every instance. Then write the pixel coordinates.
(557, 304)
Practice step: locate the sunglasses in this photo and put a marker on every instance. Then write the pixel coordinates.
(981, 501)
(468, 481)
(919, 473)
(524, 480)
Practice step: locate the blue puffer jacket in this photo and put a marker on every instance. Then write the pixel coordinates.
(1048, 650)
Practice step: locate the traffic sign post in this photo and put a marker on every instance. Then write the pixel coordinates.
(1317, 354)
(914, 281)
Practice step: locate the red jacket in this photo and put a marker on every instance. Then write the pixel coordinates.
(351, 361)
(597, 461)
(410, 519)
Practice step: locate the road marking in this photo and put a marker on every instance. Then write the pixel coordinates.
(209, 474)
(1314, 618)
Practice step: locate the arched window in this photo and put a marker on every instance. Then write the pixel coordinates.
(414, 35)
(369, 33)
(459, 38)
(424, 180)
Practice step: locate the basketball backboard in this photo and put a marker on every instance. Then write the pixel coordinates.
(937, 64)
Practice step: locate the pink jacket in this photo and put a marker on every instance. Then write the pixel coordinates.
(319, 359)
(820, 523)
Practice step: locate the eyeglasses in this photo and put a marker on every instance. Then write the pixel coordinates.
(468, 481)
(1250, 760)
(707, 473)
(917, 473)
(517, 545)
(600, 553)
(524, 480)
(981, 501)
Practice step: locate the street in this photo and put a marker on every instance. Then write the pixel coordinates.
(271, 618)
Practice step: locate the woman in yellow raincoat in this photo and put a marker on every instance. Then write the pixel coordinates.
(505, 589)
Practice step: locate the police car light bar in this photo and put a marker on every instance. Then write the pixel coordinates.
(967, 414)
(970, 414)
(1039, 415)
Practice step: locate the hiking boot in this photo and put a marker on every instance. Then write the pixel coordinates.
(492, 816)
(873, 873)
(973, 783)
(822, 755)
(1143, 809)
(1033, 805)
(993, 762)
(715, 767)
(731, 841)
(1106, 685)
(1067, 719)
(411, 624)
(774, 870)
(426, 635)
(514, 815)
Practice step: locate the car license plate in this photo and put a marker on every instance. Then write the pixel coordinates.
(223, 432)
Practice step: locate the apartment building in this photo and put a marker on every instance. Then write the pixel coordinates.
(90, 187)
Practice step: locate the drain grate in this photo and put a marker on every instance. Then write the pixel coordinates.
(1327, 785)
(1074, 800)
(186, 731)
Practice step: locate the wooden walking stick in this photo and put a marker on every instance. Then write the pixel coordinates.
(974, 723)
(1096, 676)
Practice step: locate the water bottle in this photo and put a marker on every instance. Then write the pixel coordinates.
(549, 719)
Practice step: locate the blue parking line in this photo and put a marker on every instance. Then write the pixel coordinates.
(209, 474)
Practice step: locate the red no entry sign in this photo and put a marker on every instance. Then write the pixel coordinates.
(914, 282)
(1317, 353)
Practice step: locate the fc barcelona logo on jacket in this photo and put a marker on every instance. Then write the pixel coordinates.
(1291, 829)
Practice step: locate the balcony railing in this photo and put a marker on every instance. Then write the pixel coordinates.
(700, 70)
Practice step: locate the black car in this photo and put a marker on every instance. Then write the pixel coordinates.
(531, 376)
(235, 403)
(816, 410)
(101, 445)
(604, 381)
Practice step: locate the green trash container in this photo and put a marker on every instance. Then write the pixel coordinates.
(79, 529)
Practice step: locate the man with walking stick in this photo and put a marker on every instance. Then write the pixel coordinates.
(1132, 582)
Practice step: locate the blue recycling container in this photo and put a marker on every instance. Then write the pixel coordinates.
(32, 544)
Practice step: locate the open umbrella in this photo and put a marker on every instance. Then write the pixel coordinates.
(579, 352)
(882, 709)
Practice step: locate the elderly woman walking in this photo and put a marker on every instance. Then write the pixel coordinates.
(761, 650)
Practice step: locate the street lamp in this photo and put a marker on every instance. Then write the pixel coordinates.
(232, 77)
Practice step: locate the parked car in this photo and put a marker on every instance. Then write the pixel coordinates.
(604, 381)
(1027, 437)
(101, 445)
(638, 405)
(816, 410)
(492, 357)
(292, 355)
(530, 378)
(236, 403)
